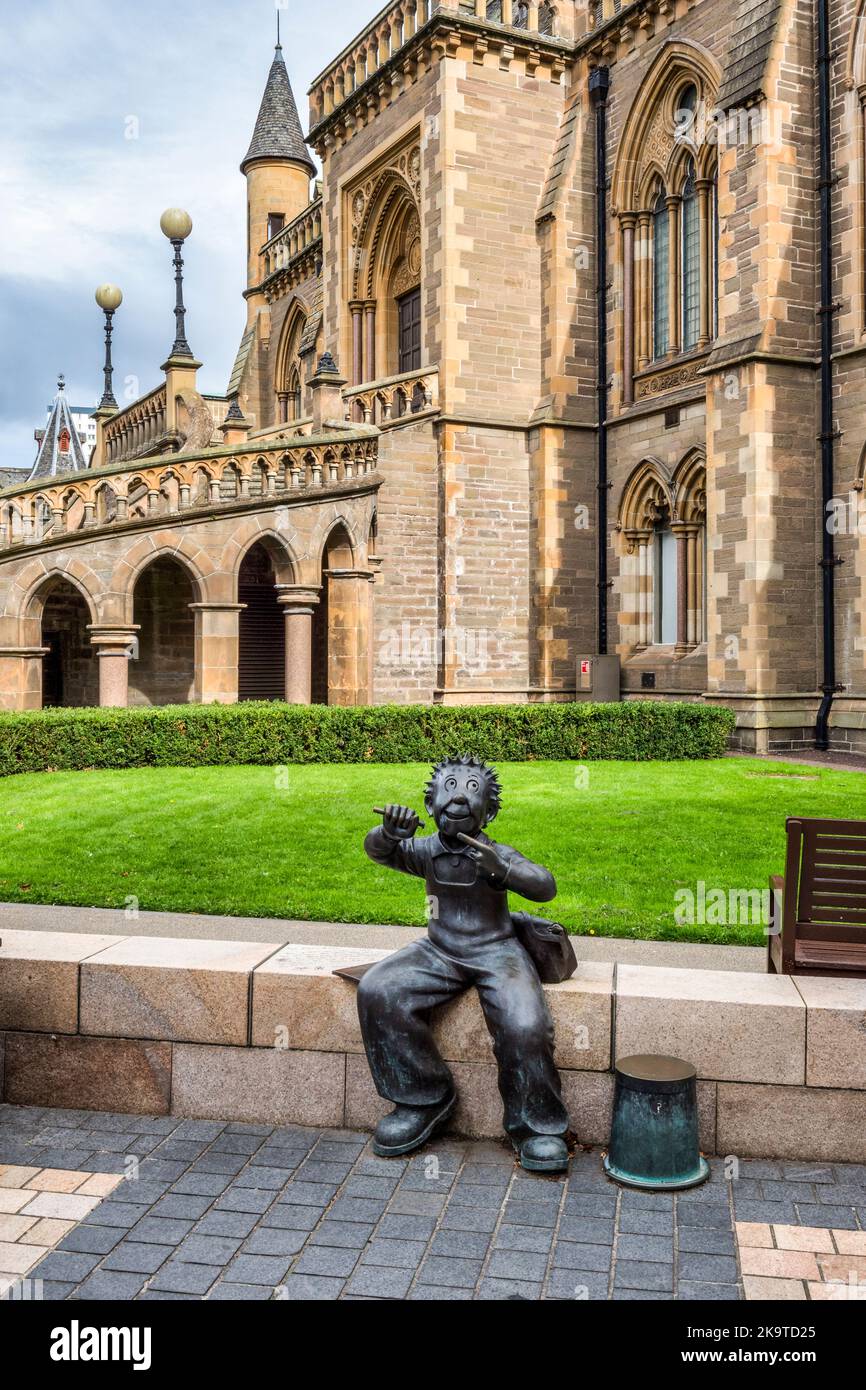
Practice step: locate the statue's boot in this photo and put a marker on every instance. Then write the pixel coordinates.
(409, 1126)
(543, 1153)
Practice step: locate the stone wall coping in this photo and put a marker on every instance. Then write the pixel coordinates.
(266, 1033)
(53, 946)
(719, 986)
(735, 1026)
(182, 953)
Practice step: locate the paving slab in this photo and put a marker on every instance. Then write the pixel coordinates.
(528, 1238)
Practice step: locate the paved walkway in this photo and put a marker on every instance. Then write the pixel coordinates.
(34, 917)
(233, 1211)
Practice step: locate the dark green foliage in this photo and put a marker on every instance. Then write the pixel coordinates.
(268, 734)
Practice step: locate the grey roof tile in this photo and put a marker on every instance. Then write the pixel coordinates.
(278, 133)
(754, 33)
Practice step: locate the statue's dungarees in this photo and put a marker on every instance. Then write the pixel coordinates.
(471, 941)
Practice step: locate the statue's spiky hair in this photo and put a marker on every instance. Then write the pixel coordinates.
(494, 788)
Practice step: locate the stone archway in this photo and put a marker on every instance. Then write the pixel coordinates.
(261, 628)
(342, 623)
(164, 671)
(70, 675)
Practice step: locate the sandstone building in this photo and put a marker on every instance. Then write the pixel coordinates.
(448, 466)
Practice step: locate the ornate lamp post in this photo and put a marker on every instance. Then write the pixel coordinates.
(177, 225)
(109, 299)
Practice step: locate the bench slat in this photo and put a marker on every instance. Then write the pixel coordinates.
(832, 929)
(838, 897)
(831, 956)
(839, 873)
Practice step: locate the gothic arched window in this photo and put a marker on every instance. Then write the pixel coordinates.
(691, 262)
(294, 394)
(385, 304)
(546, 18)
(685, 112)
(664, 188)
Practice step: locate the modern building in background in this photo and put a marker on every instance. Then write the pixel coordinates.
(562, 356)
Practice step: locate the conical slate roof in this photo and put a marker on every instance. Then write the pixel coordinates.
(60, 450)
(278, 133)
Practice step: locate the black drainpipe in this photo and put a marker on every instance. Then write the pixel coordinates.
(829, 559)
(599, 86)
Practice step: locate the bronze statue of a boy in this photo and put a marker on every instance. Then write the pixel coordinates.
(472, 940)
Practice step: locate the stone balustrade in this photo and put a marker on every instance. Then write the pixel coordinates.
(397, 25)
(299, 236)
(138, 428)
(267, 1034)
(393, 398)
(113, 497)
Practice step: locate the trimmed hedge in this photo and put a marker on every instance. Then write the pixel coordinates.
(277, 734)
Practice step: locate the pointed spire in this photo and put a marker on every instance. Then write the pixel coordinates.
(60, 448)
(278, 133)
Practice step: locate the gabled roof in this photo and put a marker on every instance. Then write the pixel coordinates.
(278, 133)
(51, 459)
(241, 360)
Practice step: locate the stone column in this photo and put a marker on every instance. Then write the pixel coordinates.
(370, 342)
(693, 635)
(682, 535)
(21, 677)
(101, 456)
(644, 298)
(628, 226)
(112, 647)
(644, 588)
(704, 191)
(283, 411)
(357, 343)
(299, 604)
(700, 616)
(216, 652)
(349, 636)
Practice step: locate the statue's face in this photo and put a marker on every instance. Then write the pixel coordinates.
(458, 801)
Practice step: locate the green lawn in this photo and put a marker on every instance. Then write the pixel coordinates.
(622, 838)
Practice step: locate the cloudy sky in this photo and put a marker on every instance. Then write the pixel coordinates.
(111, 111)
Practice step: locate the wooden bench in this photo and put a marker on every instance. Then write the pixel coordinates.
(818, 920)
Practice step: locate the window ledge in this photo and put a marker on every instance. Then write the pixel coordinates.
(663, 654)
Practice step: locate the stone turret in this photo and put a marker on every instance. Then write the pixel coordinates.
(277, 166)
